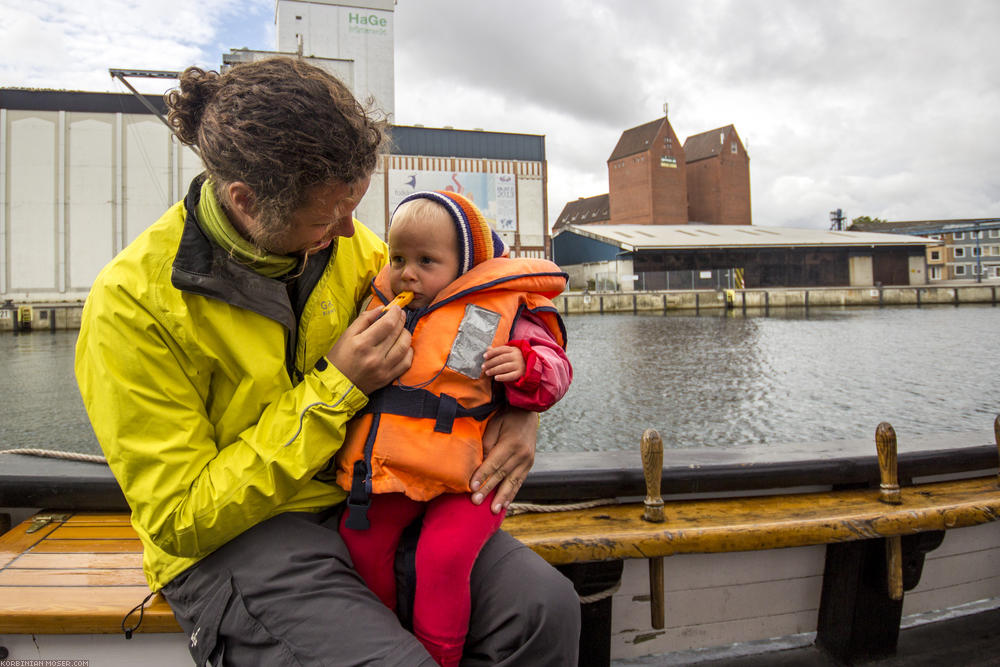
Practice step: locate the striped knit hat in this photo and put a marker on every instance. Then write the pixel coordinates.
(477, 242)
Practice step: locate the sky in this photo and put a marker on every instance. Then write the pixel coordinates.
(882, 108)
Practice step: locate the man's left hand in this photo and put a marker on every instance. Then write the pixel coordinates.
(509, 447)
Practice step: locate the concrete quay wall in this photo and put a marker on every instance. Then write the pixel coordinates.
(62, 316)
(818, 297)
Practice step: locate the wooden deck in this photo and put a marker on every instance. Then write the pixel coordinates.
(78, 574)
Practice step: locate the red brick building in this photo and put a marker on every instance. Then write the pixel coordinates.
(647, 177)
(655, 180)
(718, 178)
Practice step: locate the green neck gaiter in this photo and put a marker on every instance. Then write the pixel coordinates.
(215, 223)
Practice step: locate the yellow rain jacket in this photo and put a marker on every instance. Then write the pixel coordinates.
(207, 384)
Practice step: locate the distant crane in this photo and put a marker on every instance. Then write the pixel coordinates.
(837, 219)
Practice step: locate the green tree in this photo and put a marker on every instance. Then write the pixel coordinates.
(865, 220)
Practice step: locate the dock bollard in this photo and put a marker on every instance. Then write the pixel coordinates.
(652, 469)
(996, 436)
(885, 443)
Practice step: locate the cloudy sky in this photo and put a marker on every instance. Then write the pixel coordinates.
(884, 108)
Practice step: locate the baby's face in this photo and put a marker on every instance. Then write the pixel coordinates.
(423, 255)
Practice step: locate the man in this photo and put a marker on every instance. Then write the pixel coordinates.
(220, 357)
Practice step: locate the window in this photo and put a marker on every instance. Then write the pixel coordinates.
(733, 148)
(995, 250)
(977, 252)
(958, 236)
(935, 255)
(995, 233)
(935, 273)
(960, 270)
(996, 271)
(959, 252)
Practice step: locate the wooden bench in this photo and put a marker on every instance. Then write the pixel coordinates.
(80, 572)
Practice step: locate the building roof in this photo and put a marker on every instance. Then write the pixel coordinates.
(585, 210)
(449, 142)
(36, 99)
(917, 227)
(636, 140)
(707, 144)
(691, 237)
(405, 140)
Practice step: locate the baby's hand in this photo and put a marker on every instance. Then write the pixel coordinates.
(504, 363)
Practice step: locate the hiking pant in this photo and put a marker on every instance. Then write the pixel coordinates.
(453, 533)
(285, 593)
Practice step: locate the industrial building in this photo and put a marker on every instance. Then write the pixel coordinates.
(654, 180)
(82, 174)
(970, 250)
(657, 257)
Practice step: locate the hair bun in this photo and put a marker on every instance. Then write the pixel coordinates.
(186, 103)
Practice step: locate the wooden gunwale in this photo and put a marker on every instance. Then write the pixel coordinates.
(755, 523)
(83, 574)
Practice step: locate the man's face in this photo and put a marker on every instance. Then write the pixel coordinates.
(327, 213)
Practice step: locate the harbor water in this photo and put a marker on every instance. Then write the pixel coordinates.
(718, 379)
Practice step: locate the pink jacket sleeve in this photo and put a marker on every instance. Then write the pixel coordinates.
(548, 374)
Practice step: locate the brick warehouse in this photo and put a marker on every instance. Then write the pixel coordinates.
(655, 180)
(718, 178)
(647, 177)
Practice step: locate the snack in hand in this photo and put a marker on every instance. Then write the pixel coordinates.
(401, 300)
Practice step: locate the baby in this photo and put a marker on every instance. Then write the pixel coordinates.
(485, 334)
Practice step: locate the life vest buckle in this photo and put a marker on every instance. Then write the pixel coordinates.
(359, 499)
(357, 515)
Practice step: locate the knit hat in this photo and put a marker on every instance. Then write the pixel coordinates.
(477, 242)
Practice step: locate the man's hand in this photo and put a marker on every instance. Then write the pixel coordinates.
(504, 363)
(509, 445)
(373, 351)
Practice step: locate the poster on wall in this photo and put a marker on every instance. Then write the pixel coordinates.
(494, 194)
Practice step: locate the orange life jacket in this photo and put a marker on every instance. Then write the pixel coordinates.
(423, 434)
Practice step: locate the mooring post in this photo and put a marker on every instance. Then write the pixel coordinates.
(885, 443)
(996, 436)
(652, 469)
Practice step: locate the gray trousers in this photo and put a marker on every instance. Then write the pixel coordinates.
(285, 593)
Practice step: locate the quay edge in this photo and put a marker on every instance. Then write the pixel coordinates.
(778, 297)
(51, 316)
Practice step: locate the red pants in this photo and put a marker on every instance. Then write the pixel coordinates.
(454, 530)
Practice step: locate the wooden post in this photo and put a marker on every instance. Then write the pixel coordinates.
(996, 436)
(885, 443)
(652, 469)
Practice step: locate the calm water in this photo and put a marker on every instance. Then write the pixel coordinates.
(701, 381)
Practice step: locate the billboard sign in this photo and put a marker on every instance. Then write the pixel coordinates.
(494, 194)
